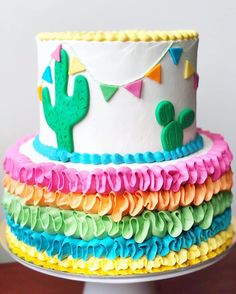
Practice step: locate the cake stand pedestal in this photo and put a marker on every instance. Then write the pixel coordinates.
(133, 284)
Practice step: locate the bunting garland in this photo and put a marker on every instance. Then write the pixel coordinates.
(155, 73)
(134, 87)
(188, 69)
(57, 53)
(175, 54)
(195, 80)
(47, 75)
(108, 91)
(76, 66)
(39, 90)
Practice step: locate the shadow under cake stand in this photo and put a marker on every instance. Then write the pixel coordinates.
(139, 283)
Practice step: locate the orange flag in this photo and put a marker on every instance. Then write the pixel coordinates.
(155, 73)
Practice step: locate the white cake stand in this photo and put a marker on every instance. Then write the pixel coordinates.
(137, 284)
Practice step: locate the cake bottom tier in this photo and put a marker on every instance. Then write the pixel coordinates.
(149, 237)
(124, 266)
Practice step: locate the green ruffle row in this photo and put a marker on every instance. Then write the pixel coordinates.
(89, 226)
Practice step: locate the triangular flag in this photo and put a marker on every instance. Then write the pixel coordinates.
(108, 91)
(175, 54)
(57, 53)
(195, 80)
(47, 75)
(155, 73)
(76, 66)
(188, 70)
(39, 90)
(135, 88)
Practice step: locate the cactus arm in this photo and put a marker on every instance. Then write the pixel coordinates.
(165, 112)
(79, 100)
(186, 118)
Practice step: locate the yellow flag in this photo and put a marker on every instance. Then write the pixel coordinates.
(76, 66)
(188, 69)
(40, 89)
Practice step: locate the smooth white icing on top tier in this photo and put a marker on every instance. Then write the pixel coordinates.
(125, 124)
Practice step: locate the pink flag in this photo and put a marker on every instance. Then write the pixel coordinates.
(57, 53)
(135, 88)
(195, 81)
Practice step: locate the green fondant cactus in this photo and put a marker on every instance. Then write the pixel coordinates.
(172, 133)
(68, 110)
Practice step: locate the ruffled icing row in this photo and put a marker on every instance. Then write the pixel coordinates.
(147, 157)
(119, 205)
(122, 36)
(118, 247)
(89, 226)
(56, 177)
(124, 266)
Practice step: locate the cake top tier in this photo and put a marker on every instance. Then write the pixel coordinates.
(117, 97)
(124, 36)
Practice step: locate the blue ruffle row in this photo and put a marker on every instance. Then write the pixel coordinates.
(112, 248)
(116, 158)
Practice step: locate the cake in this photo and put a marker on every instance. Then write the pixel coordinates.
(118, 180)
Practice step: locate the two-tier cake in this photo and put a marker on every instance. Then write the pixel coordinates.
(118, 180)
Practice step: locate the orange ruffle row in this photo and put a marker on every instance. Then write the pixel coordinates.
(119, 205)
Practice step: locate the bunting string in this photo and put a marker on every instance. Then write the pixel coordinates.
(154, 72)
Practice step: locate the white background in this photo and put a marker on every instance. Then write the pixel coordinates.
(21, 20)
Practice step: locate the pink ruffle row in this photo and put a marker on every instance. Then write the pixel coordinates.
(55, 177)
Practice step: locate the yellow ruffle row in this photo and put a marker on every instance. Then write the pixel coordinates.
(124, 266)
(123, 36)
(119, 205)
